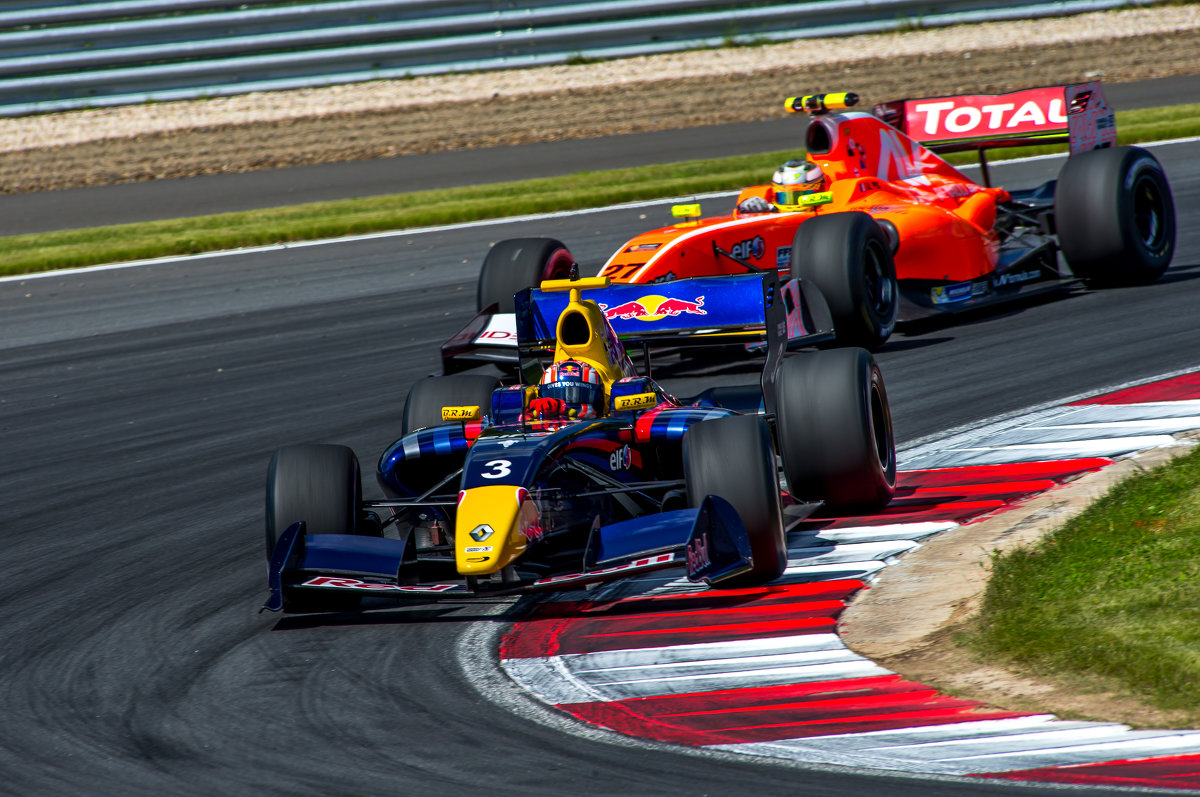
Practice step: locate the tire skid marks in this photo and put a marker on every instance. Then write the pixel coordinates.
(762, 671)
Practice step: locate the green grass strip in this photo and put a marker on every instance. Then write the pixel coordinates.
(1114, 594)
(21, 254)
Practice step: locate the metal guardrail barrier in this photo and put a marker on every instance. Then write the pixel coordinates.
(91, 54)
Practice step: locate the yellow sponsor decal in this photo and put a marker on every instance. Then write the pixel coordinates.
(642, 401)
(816, 199)
(685, 211)
(460, 413)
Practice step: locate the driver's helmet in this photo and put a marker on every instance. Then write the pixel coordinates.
(576, 383)
(795, 179)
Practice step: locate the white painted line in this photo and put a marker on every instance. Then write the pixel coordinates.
(681, 682)
(1036, 412)
(852, 552)
(861, 571)
(883, 533)
(709, 651)
(1012, 744)
(162, 261)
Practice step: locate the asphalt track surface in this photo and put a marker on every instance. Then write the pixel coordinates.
(139, 407)
(196, 196)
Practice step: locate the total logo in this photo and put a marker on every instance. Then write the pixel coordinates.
(653, 308)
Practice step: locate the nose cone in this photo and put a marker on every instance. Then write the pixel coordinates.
(492, 528)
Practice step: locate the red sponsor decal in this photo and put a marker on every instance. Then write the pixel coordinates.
(627, 310)
(354, 583)
(649, 561)
(652, 308)
(979, 115)
(497, 334)
(697, 555)
(675, 307)
(529, 519)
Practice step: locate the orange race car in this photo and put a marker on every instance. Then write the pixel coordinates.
(871, 215)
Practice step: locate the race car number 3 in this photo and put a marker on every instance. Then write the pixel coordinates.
(500, 469)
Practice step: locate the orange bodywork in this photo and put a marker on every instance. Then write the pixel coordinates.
(944, 220)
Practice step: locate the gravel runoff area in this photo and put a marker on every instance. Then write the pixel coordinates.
(674, 91)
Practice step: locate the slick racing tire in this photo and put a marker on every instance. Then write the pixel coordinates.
(1115, 216)
(835, 429)
(515, 264)
(733, 458)
(427, 397)
(321, 485)
(848, 256)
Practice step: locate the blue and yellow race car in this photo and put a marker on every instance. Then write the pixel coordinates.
(586, 470)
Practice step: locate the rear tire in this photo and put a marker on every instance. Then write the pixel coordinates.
(1115, 216)
(515, 264)
(733, 458)
(427, 397)
(835, 429)
(848, 256)
(320, 485)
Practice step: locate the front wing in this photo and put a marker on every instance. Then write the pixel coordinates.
(710, 541)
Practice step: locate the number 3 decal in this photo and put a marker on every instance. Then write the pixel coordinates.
(501, 468)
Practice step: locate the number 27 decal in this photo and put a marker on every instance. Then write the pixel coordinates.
(500, 469)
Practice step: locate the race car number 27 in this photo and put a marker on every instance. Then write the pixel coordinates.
(500, 469)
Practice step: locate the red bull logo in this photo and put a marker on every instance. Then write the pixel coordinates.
(653, 308)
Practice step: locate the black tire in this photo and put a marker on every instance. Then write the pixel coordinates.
(835, 429)
(734, 459)
(427, 397)
(321, 485)
(1115, 216)
(516, 264)
(848, 256)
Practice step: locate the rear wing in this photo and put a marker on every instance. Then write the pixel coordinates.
(703, 311)
(1077, 115)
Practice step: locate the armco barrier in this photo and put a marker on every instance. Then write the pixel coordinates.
(112, 53)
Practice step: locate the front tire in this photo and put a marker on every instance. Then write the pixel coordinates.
(427, 397)
(322, 486)
(515, 264)
(1115, 216)
(835, 429)
(733, 458)
(848, 256)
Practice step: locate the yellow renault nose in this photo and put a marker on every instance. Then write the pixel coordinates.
(494, 526)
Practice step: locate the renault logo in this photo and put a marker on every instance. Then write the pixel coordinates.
(481, 532)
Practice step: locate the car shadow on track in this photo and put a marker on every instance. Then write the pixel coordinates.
(383, 612)
(963, 318)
